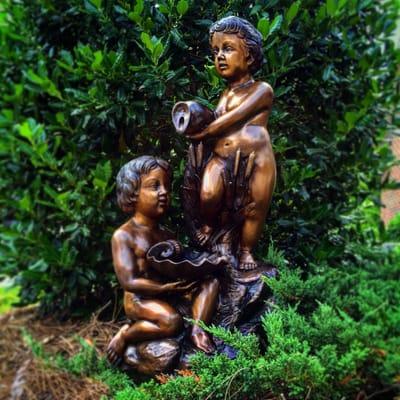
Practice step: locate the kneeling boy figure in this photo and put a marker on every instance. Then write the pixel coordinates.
(143, 190)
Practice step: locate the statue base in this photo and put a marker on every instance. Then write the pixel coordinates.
(244, 298)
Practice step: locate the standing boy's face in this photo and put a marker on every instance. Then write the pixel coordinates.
(154, 193)
(231, 57)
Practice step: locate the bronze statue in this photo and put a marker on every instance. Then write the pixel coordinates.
(143, 189)
(238, 130)
(228, 184)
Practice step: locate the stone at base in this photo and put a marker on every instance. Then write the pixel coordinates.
(152, 357)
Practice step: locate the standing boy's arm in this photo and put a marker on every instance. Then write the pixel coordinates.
(259, 100)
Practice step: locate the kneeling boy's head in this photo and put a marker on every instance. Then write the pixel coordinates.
(143, 185)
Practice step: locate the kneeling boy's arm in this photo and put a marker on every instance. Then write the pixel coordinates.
(124, 266)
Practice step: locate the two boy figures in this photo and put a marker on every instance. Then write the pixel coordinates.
(237, 133)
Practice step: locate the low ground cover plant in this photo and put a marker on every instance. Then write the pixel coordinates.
(320, 343)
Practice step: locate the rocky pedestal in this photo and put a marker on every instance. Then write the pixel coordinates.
(153, 357)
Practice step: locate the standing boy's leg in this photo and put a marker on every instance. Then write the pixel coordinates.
(261, 187)
(211, 197)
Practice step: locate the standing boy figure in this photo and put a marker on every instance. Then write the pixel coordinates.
(143, 190)
(240, 127)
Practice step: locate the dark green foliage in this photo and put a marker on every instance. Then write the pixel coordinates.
(87, 85)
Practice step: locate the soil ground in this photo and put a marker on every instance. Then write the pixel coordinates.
(24, 377)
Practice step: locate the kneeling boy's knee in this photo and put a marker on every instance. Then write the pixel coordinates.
(172, 324)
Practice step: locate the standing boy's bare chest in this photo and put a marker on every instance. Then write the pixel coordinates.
(229, 101)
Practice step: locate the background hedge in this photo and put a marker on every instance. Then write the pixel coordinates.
(87, 85)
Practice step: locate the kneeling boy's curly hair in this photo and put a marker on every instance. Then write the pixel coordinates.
(128, 179)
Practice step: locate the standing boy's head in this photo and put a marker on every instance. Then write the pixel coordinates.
(250, 39)
(143, 184)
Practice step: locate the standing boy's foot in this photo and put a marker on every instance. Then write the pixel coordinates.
(246, 261)
(203, 234)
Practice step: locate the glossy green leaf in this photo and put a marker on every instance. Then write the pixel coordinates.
(275, 24)
(291, 13)
(98, 58)
(145, 37)
(139, 7)
(263, 26)
(182, 7)
(331, 7)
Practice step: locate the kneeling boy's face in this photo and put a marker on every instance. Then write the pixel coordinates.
(154, 193)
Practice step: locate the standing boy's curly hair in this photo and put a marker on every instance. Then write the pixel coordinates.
(128, 179)
(246, 31)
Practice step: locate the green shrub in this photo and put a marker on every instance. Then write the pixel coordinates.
(321, 344)
(88, 85)
(326, 345)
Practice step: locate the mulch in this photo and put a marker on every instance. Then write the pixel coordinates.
(24, 377)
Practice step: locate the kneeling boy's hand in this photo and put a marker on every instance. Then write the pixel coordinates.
(180, 286)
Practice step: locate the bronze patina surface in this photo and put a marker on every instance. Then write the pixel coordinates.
(229, 179)
(239, 131)
(143, 189)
